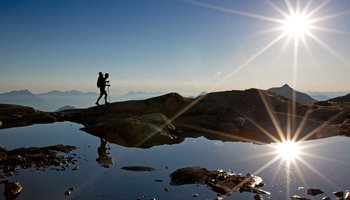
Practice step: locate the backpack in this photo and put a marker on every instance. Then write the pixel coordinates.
(99, 82)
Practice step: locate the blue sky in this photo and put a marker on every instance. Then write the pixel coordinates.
(163, 45)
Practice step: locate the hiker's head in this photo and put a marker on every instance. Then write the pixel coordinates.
(100, 74)
(106, 75)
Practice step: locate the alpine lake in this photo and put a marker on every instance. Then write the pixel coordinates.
(322, 164)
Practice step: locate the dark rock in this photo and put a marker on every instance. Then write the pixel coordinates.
(258, 197)
(347, 195)
(3, 153)
(326, 198)
(195, 195)
(12, 190)
(314, 192)
(75, 168)
(16, 115)
(69, 191)
(138, 168)
(218, 180)
(296, 197)
(339, 194)
(189, 175)
(35, 157)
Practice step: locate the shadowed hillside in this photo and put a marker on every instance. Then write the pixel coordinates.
(342, 99)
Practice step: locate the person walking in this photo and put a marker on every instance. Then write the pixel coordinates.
(102, 83)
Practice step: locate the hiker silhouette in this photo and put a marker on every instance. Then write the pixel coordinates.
(103, 155)
(102, 83)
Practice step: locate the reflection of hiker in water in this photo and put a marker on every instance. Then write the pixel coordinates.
(103, 159)
(102, 83)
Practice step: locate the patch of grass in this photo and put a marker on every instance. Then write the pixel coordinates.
(341, 104)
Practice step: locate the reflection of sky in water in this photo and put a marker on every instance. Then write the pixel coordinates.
(91, 181)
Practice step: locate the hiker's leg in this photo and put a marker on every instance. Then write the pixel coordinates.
(106, 99)
(98, 99)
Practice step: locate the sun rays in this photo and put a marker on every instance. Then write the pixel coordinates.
(298, 25)
(288, 150)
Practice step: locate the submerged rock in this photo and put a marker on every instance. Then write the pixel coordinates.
(314, 192)
(138, 168)
(69, 191)
(218, 180)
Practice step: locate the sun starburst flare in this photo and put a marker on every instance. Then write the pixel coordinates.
(299, 24)
(288, 150)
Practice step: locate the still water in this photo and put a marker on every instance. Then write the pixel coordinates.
(322, 164)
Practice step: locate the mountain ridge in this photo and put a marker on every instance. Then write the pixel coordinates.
(342, 99)
(288, 91)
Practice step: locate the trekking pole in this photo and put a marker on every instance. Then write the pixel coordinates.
(109, 95)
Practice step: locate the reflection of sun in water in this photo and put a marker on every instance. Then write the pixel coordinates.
(287, 150)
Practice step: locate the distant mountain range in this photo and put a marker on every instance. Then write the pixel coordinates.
(341, 99)
(72, 92)
(323, 96)
(287, 92)
(25, 98)
(53, 100)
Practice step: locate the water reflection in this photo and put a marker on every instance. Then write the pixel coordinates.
(288, 150)
(103, 154)
(325, 166)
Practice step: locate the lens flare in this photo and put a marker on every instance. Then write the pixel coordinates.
(297, 25)
(288, 150)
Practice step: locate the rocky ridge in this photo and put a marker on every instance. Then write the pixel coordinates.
(251, 115)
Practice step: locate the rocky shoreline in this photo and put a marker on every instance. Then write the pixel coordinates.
(252, 115)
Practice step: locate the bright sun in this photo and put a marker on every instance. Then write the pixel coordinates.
(297, 25)
(288, 150)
